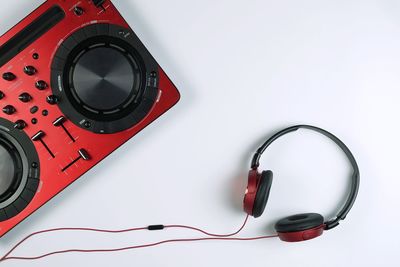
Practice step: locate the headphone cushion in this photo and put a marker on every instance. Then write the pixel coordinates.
(262, 194)
(299, 222)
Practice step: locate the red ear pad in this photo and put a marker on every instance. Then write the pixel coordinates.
(257, 192)
(300, 227)
(262, 194)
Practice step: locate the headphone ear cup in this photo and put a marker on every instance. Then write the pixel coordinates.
(300, 227)
(262, 194)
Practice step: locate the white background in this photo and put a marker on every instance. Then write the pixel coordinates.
(245, 70)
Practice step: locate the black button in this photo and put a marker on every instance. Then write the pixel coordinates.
(45, 112)
(98, 3)
(41, 85)
(20, 125)
(30, 70)
(25, 97)
(52, 99)
(9, 76)
(87, 124)
(34, 109)
(78, 11)
(35, 56)
(9, 110)
(34, 121)
(2, 95)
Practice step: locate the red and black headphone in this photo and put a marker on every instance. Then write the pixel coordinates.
(298, 227)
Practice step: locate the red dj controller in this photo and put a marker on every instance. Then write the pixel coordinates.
(75, 84)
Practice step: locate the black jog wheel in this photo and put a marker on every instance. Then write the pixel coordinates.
(105, 79)
(19, 170)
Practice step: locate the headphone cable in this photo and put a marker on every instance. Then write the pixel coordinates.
(211, 236)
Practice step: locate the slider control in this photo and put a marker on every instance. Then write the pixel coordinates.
(60, 123)
(39, 137)
(83, 154)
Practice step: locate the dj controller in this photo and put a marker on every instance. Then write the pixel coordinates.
(75, 84)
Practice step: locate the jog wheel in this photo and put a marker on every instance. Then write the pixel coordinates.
(104, 78)
(19, 170)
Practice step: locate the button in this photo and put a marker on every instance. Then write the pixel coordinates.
(41, 85)
(98, 3)
(34, 109)
(30, 70)
(9, 110)
(9, 76)
(2, 95)
(20, 124)
(25, 97)
(52, 99)
(78, 11)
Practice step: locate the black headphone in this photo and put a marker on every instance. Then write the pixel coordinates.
(301, 226)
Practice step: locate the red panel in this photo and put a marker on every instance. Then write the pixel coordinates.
(99, 146)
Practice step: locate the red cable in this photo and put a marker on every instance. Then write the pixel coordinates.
(213, 237)
(139, 246)
(207, 233)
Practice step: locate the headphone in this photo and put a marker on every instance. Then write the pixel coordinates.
(299, 227)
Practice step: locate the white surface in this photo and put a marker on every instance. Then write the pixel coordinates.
(246, 69)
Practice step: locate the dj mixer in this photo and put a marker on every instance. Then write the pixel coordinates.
(75, 84)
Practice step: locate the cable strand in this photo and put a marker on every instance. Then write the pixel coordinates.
(212, 235)
(139, 246)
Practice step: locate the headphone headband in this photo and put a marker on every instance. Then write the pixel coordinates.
(355, 177)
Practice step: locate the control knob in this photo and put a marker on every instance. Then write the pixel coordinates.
(41, 85)
(9, 76)
(9, 110)
(25, 97)
(30, 70)
(20, 124)
(52, 99)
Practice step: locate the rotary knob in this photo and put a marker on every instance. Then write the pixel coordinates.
(41, 85)
(78, 11)
(25, 97)
(52, 99)
(30, 70)
(9, 76)
(98, 3)
(9, 110)
(20, 124)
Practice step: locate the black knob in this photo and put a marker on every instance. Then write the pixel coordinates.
(52, 99)
(25, 97)
(9, 110)
(9, 76)
(2, 95)
(98, 3)
(78, 11)
(20, 124)
(41, 85)
(29, 70)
